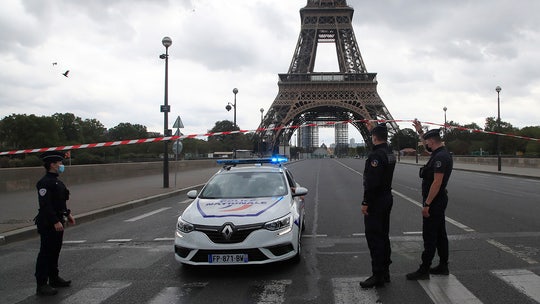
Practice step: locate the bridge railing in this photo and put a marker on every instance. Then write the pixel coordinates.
(328, 77)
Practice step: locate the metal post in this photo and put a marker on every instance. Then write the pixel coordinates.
(444, 132)
(166, 43)
(498, 89)
(261, 133)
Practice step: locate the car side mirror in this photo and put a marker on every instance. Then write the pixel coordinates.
(192, 194)
(300, 191)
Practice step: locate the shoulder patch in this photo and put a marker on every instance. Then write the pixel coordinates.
(438, 164)
(374, 163)
(42, 192)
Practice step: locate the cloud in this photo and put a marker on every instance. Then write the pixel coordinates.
(427, 55)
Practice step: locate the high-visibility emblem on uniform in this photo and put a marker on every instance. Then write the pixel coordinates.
(42, 191)
(374, 163)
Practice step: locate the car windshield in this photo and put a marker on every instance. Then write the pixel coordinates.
(245, 185)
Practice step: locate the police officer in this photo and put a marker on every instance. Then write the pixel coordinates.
(435, 175)
(52, 217)
(377, 204)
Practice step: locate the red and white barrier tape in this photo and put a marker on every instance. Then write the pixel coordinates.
(166, 138)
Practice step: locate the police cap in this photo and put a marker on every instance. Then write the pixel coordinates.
(432, 133)
(381, 131)
(52, 156)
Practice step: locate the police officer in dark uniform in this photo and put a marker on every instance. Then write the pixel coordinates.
(377, 204)
(435, 175)
(52, 217)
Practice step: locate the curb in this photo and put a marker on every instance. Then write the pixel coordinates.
(31, 231)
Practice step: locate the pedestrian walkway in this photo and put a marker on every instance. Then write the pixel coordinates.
(87, 201)
(505, 170)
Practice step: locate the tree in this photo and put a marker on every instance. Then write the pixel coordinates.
(125, 130)
(92, 131)
(70, 127)
(21, 131)
(404, 138)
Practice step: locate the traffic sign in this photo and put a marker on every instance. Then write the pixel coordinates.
(178, 123)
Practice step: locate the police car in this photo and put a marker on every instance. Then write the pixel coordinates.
(250, 212)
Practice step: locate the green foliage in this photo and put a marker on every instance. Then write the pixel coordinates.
(22, 131)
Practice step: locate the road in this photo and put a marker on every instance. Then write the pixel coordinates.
(493, 225)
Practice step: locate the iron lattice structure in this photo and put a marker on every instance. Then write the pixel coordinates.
(306, 96)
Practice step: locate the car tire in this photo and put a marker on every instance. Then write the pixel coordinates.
(296, 259)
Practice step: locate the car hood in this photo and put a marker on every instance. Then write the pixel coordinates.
(241, 210)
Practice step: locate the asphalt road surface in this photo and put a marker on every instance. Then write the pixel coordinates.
(492, 221)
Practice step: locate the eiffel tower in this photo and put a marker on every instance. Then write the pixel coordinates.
(309, 97)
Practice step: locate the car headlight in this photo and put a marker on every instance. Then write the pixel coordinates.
(278, 224)
(184, 226)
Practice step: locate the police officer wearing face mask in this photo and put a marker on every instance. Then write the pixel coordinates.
(377, 204)
(435, 175)
(52, 217)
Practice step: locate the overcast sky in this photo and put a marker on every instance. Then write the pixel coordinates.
(427, 54)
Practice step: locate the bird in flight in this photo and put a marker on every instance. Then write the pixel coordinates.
(54, 63)
(66, 73)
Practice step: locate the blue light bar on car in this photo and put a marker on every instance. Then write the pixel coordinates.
(272, 160)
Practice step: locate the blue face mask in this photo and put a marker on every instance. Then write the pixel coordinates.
(61, 169)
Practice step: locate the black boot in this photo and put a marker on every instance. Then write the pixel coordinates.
(386, 276)
(59, 282)
(376, 280)
(441, 269)
(46, 290)
(421, 274)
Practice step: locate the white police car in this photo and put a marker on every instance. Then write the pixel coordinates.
(250, 214)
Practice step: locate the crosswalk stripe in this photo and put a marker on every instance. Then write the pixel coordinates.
(523, 280)
(96, 293)
(168, 295)
(348, 290)
(146, 214)
(448, 290)
(513, 252)
(274, 292)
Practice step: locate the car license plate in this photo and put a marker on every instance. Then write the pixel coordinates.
(227, 258)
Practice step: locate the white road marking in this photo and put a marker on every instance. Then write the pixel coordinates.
(348, 290)
(168, 295)
(314, 235)
(97, 292)
(448, 290)
(525, 281)
(164, 239)
(185, 202)
(358, 234)
(274, 292)
(451, 221)
(175, 294)
(146, 214)
(513, 252)
(412, 232)
(119, 240)
(74, 242)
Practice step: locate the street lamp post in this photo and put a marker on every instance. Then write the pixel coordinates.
(166, 41)
(444, 132)
(228, 108)
(498, 89)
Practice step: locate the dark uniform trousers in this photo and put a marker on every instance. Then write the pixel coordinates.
(434, 232)
(49, 251)
(377, 229)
